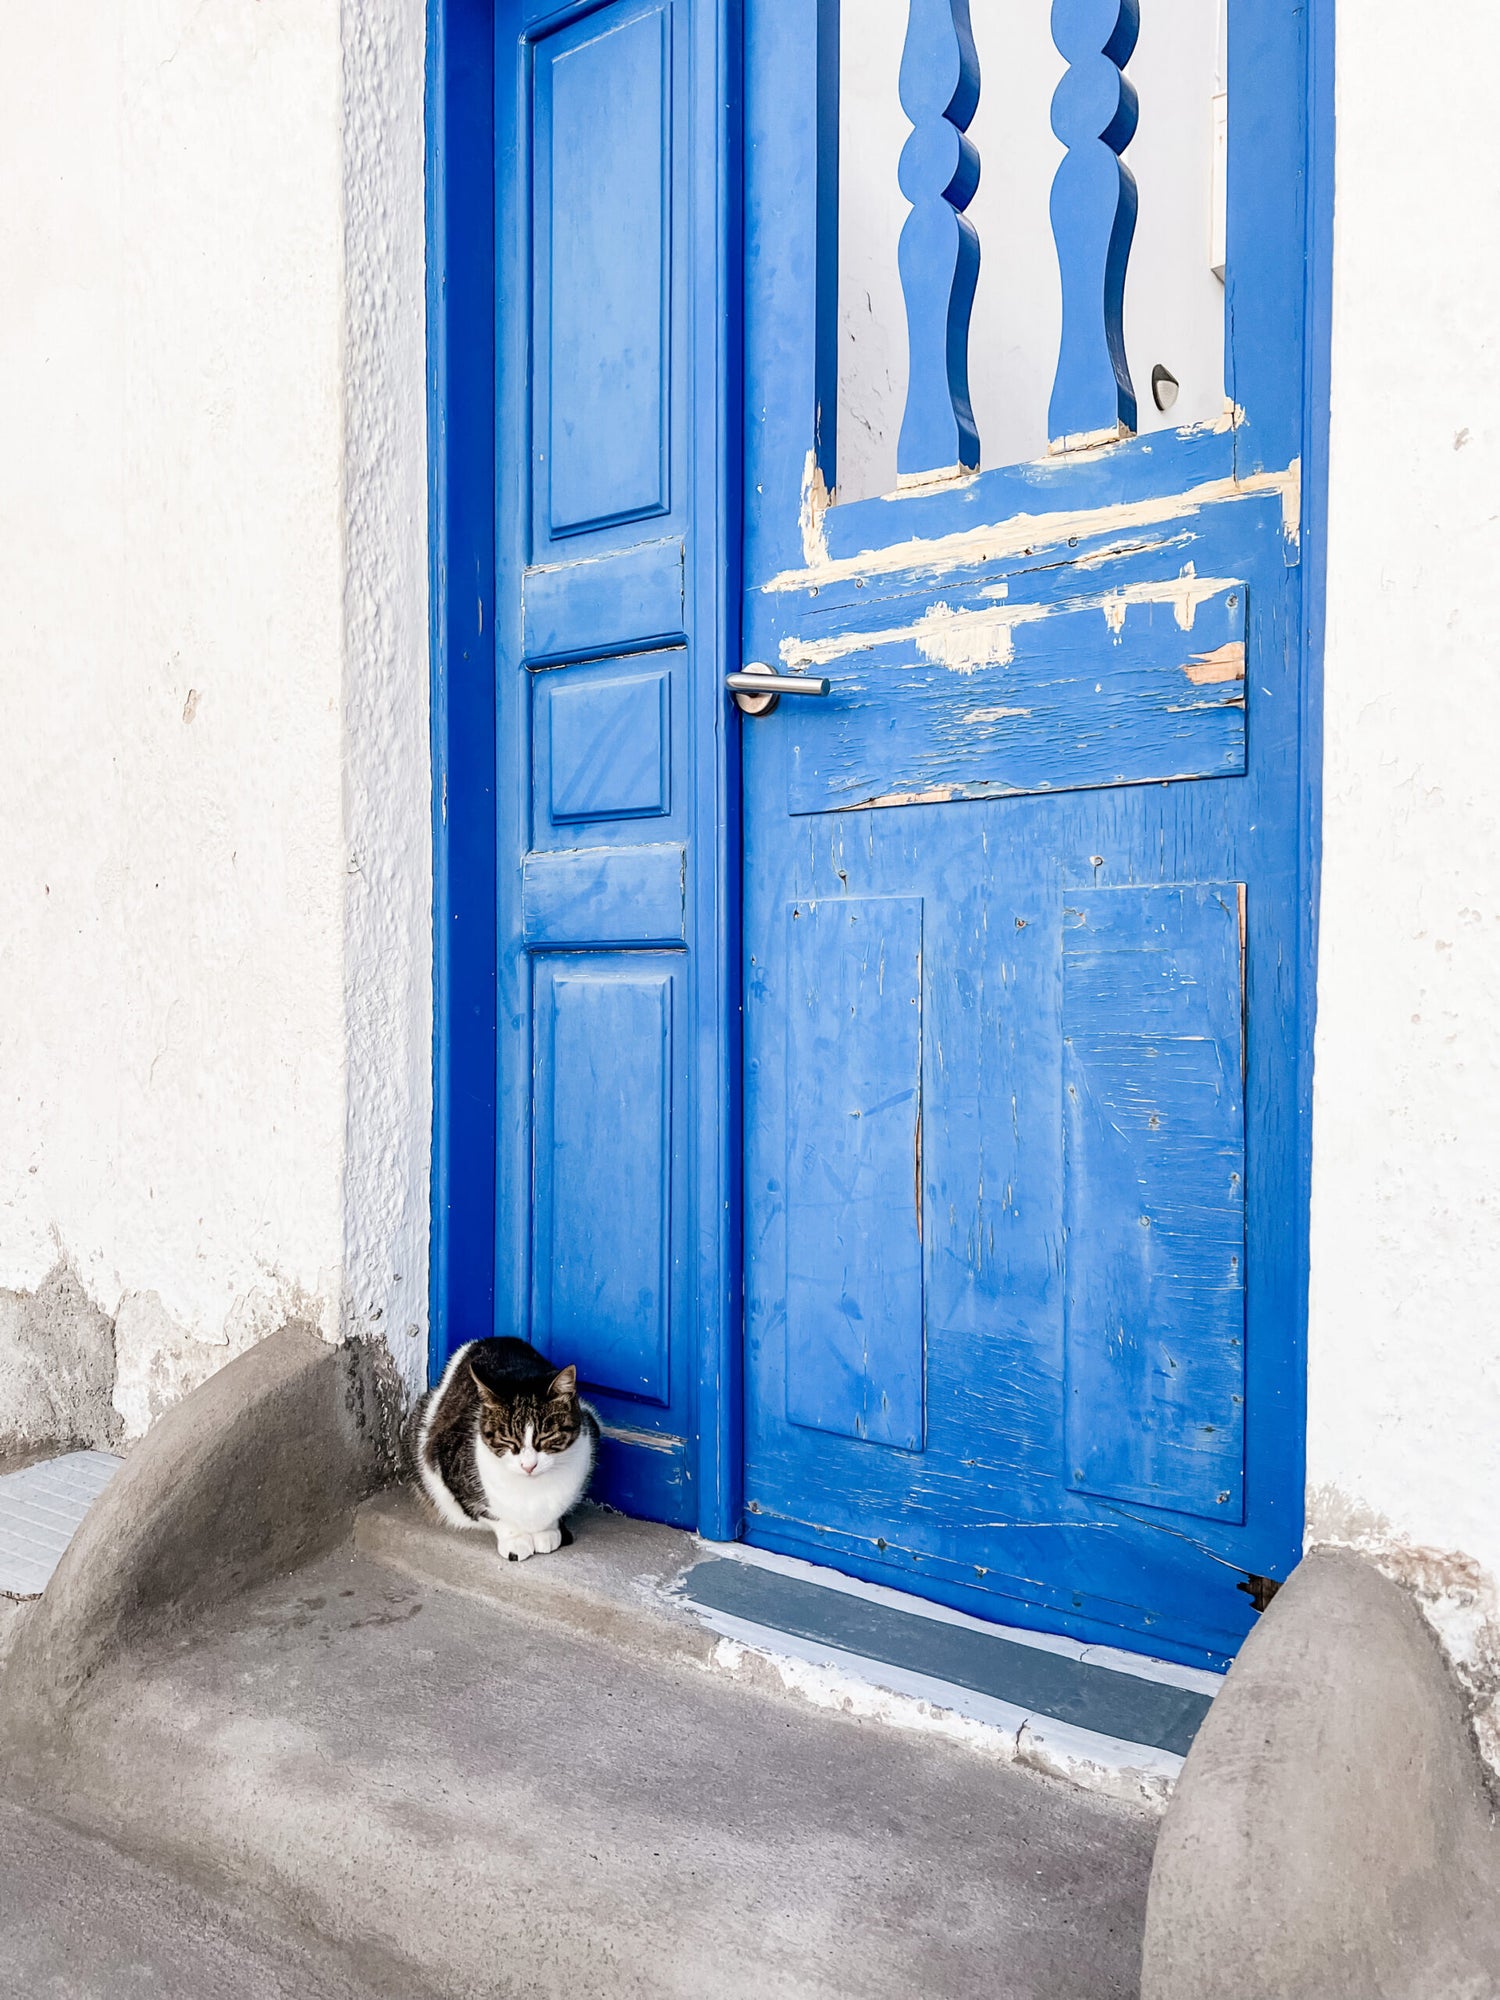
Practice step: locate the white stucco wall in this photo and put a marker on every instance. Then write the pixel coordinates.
(1404, 1438)
(214, 932)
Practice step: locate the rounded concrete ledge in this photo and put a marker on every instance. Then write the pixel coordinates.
(1331, 1835)
(247, 1478)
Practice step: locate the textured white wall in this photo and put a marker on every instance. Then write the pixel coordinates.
(213, 906)
(387, 748)
(1404, 1442)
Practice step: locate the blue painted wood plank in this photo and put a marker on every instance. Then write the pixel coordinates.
(619, 602)
(597, 898)
(1004, 698)
(714, 198)
(603, 253)
(854, 1325)
(1154, 1196)
(604, 1176)
(1042, 495)
(939, 248)
(608, 745)
(1094, 203)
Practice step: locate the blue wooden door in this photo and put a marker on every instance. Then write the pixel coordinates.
(610, 614)
(1025, 944)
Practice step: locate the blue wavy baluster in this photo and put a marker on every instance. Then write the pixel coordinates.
(939, 246)
(1094, 113)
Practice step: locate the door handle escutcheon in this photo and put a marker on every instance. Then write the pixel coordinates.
(758, 688)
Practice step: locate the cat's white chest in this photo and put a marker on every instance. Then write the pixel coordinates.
(530, 1503)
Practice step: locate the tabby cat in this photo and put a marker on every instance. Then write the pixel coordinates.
(503, 1442)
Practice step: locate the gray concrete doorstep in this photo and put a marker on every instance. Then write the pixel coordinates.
(525, 1809)
(614, 1582)
(633, 1583)
(81, 1921)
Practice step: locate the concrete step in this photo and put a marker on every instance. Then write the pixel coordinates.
(83, 1921)
(1110, 1721)
(537, 1787)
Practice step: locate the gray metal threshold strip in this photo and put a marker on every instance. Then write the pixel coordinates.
(1102, 1699)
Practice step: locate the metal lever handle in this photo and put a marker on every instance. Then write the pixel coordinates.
(757, 690)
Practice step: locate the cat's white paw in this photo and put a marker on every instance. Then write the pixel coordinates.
(548, 1539)
(514, 1548)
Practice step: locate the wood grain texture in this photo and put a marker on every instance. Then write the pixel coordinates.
(1154, 1196)
(1015, 697)
(608, 745)
(589, 898)
(603, 604)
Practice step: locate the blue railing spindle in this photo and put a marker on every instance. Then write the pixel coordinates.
(1094, 113)
(939, 253)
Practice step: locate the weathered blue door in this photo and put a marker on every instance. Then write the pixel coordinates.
(1024, 948)
(899, 1091)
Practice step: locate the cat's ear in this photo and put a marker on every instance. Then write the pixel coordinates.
(565, 1384)
(486, 1393)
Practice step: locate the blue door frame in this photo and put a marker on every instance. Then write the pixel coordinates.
(476, 166)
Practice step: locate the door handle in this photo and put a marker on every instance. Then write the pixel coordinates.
(758, 688)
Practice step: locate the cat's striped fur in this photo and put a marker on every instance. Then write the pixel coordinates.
(505, 1443)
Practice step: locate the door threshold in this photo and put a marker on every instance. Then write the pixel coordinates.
(1116, 1721)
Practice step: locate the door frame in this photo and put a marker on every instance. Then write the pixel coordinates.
(471, 814)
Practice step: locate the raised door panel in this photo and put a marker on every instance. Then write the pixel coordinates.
(602, 248)
(854, 1169)
(602, 744)
(603, 1249)
(1154, 1196)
